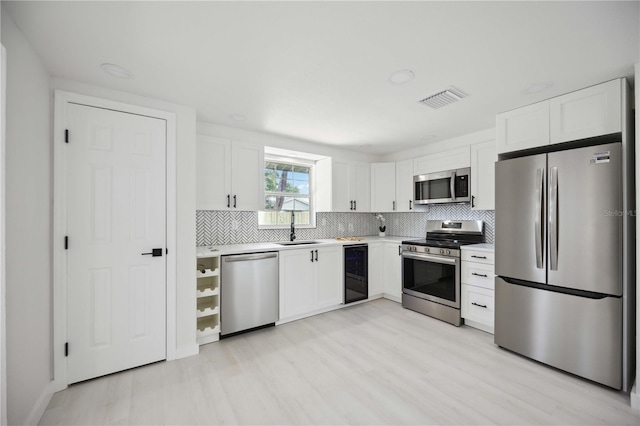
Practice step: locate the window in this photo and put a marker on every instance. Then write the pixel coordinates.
(287, 187)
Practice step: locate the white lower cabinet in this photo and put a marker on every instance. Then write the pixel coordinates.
(477, 288)
(310, 280)
(392, 271)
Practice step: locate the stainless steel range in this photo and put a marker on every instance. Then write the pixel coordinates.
(431, 268)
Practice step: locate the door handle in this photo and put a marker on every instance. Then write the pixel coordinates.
(234, 201)
(453, 186)
(351, 202)
(473, 201)
(312, 255)
(316, 255)
(394, 205)
(156, 252)
(539, 229)
(355, 205)
(399, 250)
(228, 200)
(553, 219)
(410, 206)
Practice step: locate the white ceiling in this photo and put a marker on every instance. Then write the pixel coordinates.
(318, 71)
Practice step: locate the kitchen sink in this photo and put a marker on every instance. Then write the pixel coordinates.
(297, 243)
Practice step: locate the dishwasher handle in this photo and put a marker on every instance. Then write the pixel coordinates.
(246, 257)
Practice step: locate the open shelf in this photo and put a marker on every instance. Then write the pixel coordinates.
(208, 299)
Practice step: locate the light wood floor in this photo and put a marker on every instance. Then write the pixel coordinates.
(373, 363)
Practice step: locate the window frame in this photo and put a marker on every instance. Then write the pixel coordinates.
(291, 161)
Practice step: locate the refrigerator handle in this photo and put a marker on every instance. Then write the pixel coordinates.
(539, 217)
(553, 219)
(453, 186)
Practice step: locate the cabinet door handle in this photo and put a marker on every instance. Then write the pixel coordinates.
(394, 205)
(312, 255)
(355, 205)
(479, 305)
(316, 255)
(410, 204)
(228, 200)
(478, 257)
(479, 275)
(351, 202)
(234, 201)
(399, 250)
(473, 201)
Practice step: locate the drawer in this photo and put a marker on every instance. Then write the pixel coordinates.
(478, 305)
(478, 256)
(478, 274)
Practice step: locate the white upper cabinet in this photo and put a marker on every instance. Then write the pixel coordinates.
(483, 158)
(448, 160)
(350, 186)
(404, 186)
(383, 187)
(230, 175)
(523, 128)
(586, 113)
(589, 112)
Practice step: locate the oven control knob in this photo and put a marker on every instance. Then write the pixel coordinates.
(441, 251)
(426, 250)
(448, 251)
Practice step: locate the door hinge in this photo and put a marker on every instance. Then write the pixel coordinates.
(66, 349)
(66, 242)
(66, 136)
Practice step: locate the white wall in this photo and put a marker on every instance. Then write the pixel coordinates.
(441, 146)
(28, 231)
(265, 139)
(185, 198)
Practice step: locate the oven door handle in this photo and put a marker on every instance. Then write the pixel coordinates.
(437, 259)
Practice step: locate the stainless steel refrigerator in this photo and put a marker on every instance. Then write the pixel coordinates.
(559, 251)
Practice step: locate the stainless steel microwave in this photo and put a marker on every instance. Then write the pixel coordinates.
(452, 186)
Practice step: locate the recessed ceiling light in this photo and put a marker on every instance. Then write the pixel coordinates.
(115, 70)
(237, 117)
(401, 77)
(538, 87)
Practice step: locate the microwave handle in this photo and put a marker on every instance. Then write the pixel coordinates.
(453, 186)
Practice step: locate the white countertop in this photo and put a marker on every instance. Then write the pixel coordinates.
(220, 249)
(480, 247)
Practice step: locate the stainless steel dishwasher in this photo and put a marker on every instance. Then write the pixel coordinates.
(248, 291)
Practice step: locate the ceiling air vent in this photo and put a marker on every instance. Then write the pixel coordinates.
(443, 98)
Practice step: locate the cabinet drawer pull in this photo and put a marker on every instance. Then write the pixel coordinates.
(479, 305)
(478, 257)
(479, 275)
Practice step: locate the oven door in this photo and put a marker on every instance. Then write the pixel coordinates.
(434, 278)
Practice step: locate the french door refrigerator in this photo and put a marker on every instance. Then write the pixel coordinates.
(559, 260)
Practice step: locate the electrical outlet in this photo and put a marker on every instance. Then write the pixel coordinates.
(235, 225)
(351, 227)
(341, 227)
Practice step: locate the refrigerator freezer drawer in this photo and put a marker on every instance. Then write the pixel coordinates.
(580, 335)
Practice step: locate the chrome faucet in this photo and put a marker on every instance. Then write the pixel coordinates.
(292, 235)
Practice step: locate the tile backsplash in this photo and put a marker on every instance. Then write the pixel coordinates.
(240, 227)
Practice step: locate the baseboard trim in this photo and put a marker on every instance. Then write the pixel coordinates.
(397, 299)
(634, 397)
(42, 403)
(187, 351)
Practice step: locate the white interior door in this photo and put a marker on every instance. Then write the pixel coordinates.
(116, 212)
